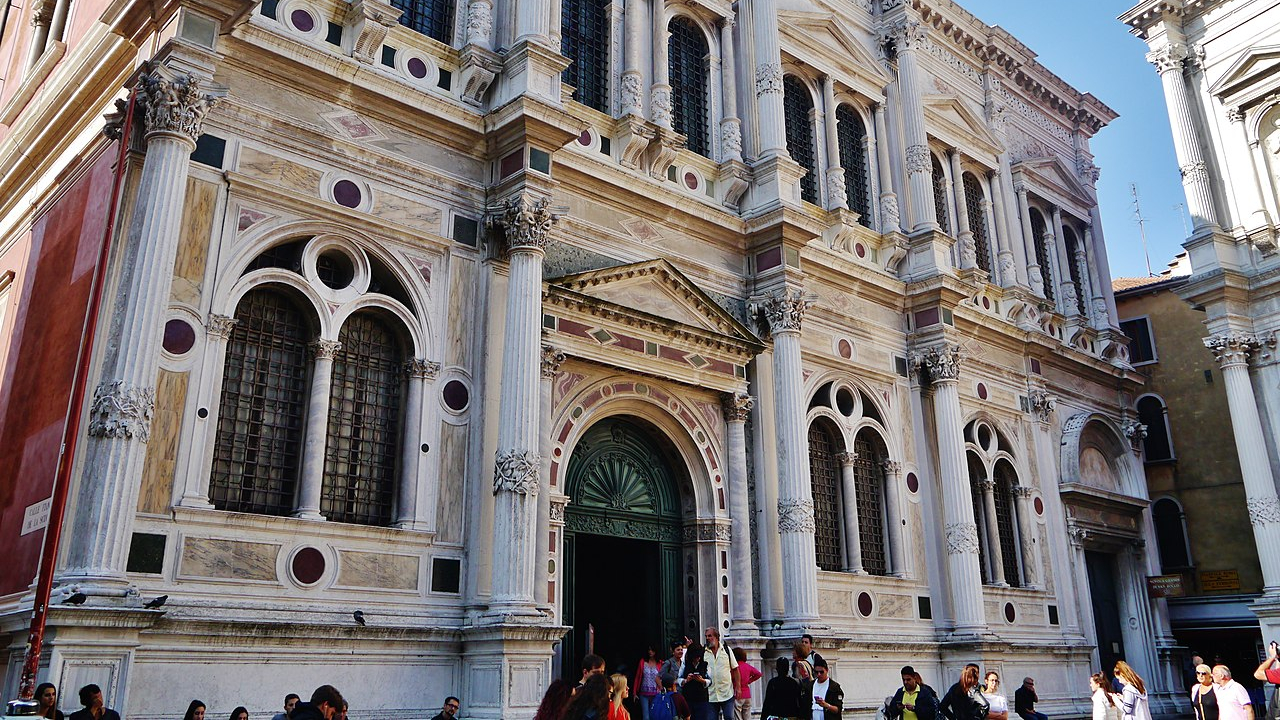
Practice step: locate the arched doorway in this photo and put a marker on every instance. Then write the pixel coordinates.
(622, 544)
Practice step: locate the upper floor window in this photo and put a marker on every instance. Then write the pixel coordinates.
(433, 18)
(1171, 534)
(824, 476)
(1142, 341)
(687, 59)
(940, 195)
(973, 196)
(1153, 413)
(1006, 480)
(797, 105)
(869, 482)
(1041, 241)
(852, 136)
(584, 39)
(1073, 267)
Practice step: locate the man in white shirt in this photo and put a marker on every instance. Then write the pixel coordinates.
(722, 672)
(824, 695)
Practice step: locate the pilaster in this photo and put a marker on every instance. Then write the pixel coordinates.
(737, 410)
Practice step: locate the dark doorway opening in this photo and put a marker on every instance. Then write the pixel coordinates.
(615, 601)
(1101, 568)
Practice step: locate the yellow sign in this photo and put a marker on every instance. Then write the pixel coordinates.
(1219, 580)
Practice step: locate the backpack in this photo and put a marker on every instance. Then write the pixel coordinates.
(662, 707)
(981, 707)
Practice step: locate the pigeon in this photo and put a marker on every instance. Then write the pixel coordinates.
(359, 616)
(156, 603)
(76, 599)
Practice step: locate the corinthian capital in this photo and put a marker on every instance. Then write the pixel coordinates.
(324, 349)
(1232, 349)
(905, 34)
(421, 369)
(784, 310)
(528, 220)
(1168, 58)
(939, 363)
(1043, 403)
(173, 105)
(737, 406)
(220, 326)
(552, 357)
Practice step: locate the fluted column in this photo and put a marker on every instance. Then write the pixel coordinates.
(532, 21)
(1027, 533)
(632, 88)
(897, 565)
(516, 483)
(907, 35)
(1232, 353)
(737, 409)
(120, 414)
(552, 358)
(995, 557)
(784, 311)
(1068, 297)
(311, 479)
(940, 366)
(964, 235)
(730, 124)
(852, 529)
(835, 174)
(771, 124)
(1035, 273)
(1082, 272)
(889, 218)
(1186, 135)
(1009, 254)
(660, 92)
(1245, 152)
(418, 371)
(1098, 299)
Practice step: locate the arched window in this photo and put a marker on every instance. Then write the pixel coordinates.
(584, 39)
(940, 195)
(852, 136)
(1006, 523)
(362, 447)
(258, 451)
(1042, 256)
(868, 482)
(1171, 535)
(1157, 446)
(797, 106)
(433, 18)
(824, 473)
(687, 62)
(973, 196)
(1073, 268)
(977, 474)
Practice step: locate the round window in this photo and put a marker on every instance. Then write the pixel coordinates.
(456, 395)
(335, 269)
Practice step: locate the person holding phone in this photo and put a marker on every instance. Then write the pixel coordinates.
(914, 700)
(824, 694)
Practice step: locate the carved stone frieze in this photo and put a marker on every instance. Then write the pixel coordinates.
(768, 78)
(516, 471)
(918, 159)
(557, 511)
(174, 105)
(962, 538)
(737, 406)
(123, 411)
(795, 516)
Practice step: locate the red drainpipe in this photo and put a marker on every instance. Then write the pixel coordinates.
(62, 480)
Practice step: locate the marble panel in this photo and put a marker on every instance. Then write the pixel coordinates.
(156, 487)
(457, 348)
(895, 606)
(278, 171)
(228, 559)
(453, 470)
(1033, 614)
(834, 602)
(377, 570)
(197, 235)
(406, 212)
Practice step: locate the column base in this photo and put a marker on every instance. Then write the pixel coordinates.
(506, 668)
(519, 614)
(309, 515)
(1267, 608)
(414, 525)
(196, 502)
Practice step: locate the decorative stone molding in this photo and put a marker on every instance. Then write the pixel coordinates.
(1168, 58)
(42, 12)
(737, 406)
(987, 485)
(731, 137)
(220, 326)
(939, 364)
(1263, 511)
(174, 106)
(784, 310)
(1023, 491)
(120, 410)
(369, 21)
(768, 78)
(324, 349)
(918, 159)
(516, 471)
(632, 133)
(480, 66)
(1136, 432)
(660, 104)
(527, 221)
(1077, 534)
(479, 22)
(630, 90)
(846, 458)
(905, 34)
(113, 122)
(552, 358)
(795, 516)
(424, 369)
(707, 532)
(835, 185)
(1043, 403)
(889, 213)
(1232, 349)
(1235, 115)
(962, 537)
(557, 510)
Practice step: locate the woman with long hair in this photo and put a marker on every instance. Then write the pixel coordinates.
(646, 684)
(964, 701)
(195, 711)
(47, 698)
(240, 713)
(617, 693)
(1133, 697)
(591, 702)
(998, 703)
(1104, 706)
(554, 700)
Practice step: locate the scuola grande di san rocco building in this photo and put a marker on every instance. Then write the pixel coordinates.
(522, 324)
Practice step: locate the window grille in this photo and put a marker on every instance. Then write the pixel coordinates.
(976, 475)
(363, 439)
(824, 473)
(852, 137)
(1069, 241)
(797, 106)
(687, 57)
(977, 220)
(940, 195)
(433, 18)
(584, 39)
(868, 482)
(1042, 257)
(1005, 525)
(261, 411)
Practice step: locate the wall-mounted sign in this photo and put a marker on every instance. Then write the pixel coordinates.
(1219, 580)
(1159, 586)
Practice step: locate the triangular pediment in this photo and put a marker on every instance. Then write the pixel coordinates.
(1051, 173)
(1252, 73)
(656, 288)
(949, 115)
(820, 41)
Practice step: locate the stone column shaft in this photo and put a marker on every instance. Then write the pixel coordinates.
(660, 92)
(852, 527)
(551, 360)
(835, 173)
(1027, 532)
(771, 121)
(897, 565)
(730, 123)
(1069, 296)
(737, 409)
(1103, 264)
(995, 556)
(532, 20)
(195, 487)
(1186, 134)
(1098, 301)
(418, 371)
(889, 213)
(964, 235)
(634, 40)
(1035, 274)
(907, 36)
(311, 478)
(1008, 255)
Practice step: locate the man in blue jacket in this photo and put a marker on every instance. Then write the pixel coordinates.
(914, 700)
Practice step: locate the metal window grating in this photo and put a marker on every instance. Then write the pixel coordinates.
(1042, 255)
(1069, 240)
(868, 483)
(362, 446)
(433, 18)
(824, 474)
(977, 220)
(262, 407)
(852, 136)
(1005, 525)
(584, 39)
(687, 58)
(976, 475)
(940, 195)
(797, 108)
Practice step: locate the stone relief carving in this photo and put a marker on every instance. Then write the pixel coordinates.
(121, 410)
(1043, 404)
(784, 310)
(1232, 348)
(1169, 58)
(630, 91)
(730, 138)
(220, 326)
(795, 516)
(176, 105)
(660, 104)
(1265, 510)
(737, 406)
(516, 471)
(1136, 432)
(479, 22)
(962, 538)
(918, 159)
(768, 78)
(557, 511)
(1193, 173)
(528, 221)
(552, 358)
(422, 369)
(941, 363)
(889, 212)
(324, 349)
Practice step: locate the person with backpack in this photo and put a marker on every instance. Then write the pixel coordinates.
(914, 700)
(668, 704)
(964, 701)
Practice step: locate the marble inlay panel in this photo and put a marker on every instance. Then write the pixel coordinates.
(895, 606)
(156, 489)
(377, 570)
(403, 211)
(453, 468)
(278, 171)
(197, 233)
(228, 559)
(834, 602)
(457, 349)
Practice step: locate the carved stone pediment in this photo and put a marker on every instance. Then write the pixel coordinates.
(1052, 177)
(955, 121)
(820, 41)
(1248, 76)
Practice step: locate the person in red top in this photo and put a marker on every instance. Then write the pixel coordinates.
(1265, 672)
(747, 674)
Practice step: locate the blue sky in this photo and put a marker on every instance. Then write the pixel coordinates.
(1083, 43)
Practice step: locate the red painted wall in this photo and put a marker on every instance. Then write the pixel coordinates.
(41, 361)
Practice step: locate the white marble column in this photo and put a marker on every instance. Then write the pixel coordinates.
(311, 478)
(897, 566)
(1232, 352)
(634, 39)
(730, 124)
(1082, 271)
(552, 358)
(173, 108)
(995, 556)
(660, 91)
(737, 409)
(1027, 533)
(1168, 60)
(194, 481)
(532, 21)
(889, 219)
(1010, 257)
(1104, 265)
(852, 528)
(418, 372)
(1069, 298)
(770, 123)
(1035, 274)
(907, 35)
(964, 235)
(1245, 153)
(527, 220)
(1098, 300)
(835, 173)
(784, 311)
(940, 365)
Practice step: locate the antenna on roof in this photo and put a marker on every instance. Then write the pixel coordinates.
(1142, 226)
(1182, 215)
